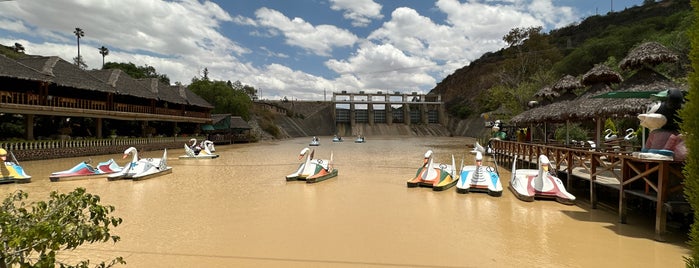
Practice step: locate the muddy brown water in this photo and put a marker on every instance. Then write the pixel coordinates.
(239, 211)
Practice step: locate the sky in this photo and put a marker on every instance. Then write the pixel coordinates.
(299, 49)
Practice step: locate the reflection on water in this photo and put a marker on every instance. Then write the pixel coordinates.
(238, 210)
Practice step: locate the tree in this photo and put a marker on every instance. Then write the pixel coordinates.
(79, 33)
(104, 51)
(690, 128)
(80, 62)
(530, 53)
(32, 234)
(137, 72)
(19, 48)
(226, 97)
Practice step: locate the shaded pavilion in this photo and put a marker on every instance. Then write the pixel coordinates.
(554, 101)
(600, 100)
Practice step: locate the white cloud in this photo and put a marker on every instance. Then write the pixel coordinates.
(278, 81)
(553, 16)
(360, 12)
(409, 51)
(384, 67)
(319, 40)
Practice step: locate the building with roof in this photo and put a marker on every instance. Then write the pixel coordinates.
(40, 86)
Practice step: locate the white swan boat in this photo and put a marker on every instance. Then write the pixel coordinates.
(313, 170)
(141, 169)
(529, 184)
(479, 178)
(201, 151)
(314, 142)
(438, 176)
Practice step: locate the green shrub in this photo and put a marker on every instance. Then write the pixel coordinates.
(690, 126)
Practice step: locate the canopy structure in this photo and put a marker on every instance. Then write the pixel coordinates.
(627, 94)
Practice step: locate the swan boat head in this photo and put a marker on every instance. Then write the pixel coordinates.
(630, 134)
(609, 135)
(131, 151)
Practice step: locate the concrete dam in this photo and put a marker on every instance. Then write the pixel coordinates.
(368, 114)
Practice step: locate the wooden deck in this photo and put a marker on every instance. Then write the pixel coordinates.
(654, 180)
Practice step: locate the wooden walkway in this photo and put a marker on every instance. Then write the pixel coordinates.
(655, 180)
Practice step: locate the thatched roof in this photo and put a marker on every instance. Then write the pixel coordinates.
(644, 80)
(649, 53)
(546, 93)
(66, 74)
(124, 84)
(601, 73)
(574, 108)
(12, 69)
(552, 113)
(567, 83)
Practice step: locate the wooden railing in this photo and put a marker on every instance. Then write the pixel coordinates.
(77, 103)
(654, 180)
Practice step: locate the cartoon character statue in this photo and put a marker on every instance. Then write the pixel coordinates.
(498, 132)
(665, 141)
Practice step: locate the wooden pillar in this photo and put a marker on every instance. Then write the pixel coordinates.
(98, 131)
(370, 113)
(29, 126)
(593, 179)
(660, 213)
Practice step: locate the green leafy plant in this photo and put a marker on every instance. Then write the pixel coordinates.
(31, 234)
(690, 126)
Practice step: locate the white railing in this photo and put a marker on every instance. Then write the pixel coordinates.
(52, 144)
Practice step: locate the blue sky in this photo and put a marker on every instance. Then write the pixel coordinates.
(294, 48)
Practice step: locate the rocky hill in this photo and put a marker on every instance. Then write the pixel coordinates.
(595, 40)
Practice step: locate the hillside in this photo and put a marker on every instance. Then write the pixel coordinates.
(597, 39)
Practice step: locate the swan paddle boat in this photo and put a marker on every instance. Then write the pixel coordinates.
(313, 170)
(141, 169)
(85, 169)
(208, 145)
(202, 151)
(314, 142)
(529, 184)
(438, 176)
(324, 170)
(479, 178)
(360, 139)
(337, 139)
(11, 171)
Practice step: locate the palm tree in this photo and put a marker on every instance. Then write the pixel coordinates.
(79, 33)
(104, 51)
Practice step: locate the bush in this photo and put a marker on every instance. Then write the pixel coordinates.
(32, 234)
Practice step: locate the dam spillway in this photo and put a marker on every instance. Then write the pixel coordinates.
(353, 113)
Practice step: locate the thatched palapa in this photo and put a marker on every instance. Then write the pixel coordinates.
(601, 73)
(649, 53)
